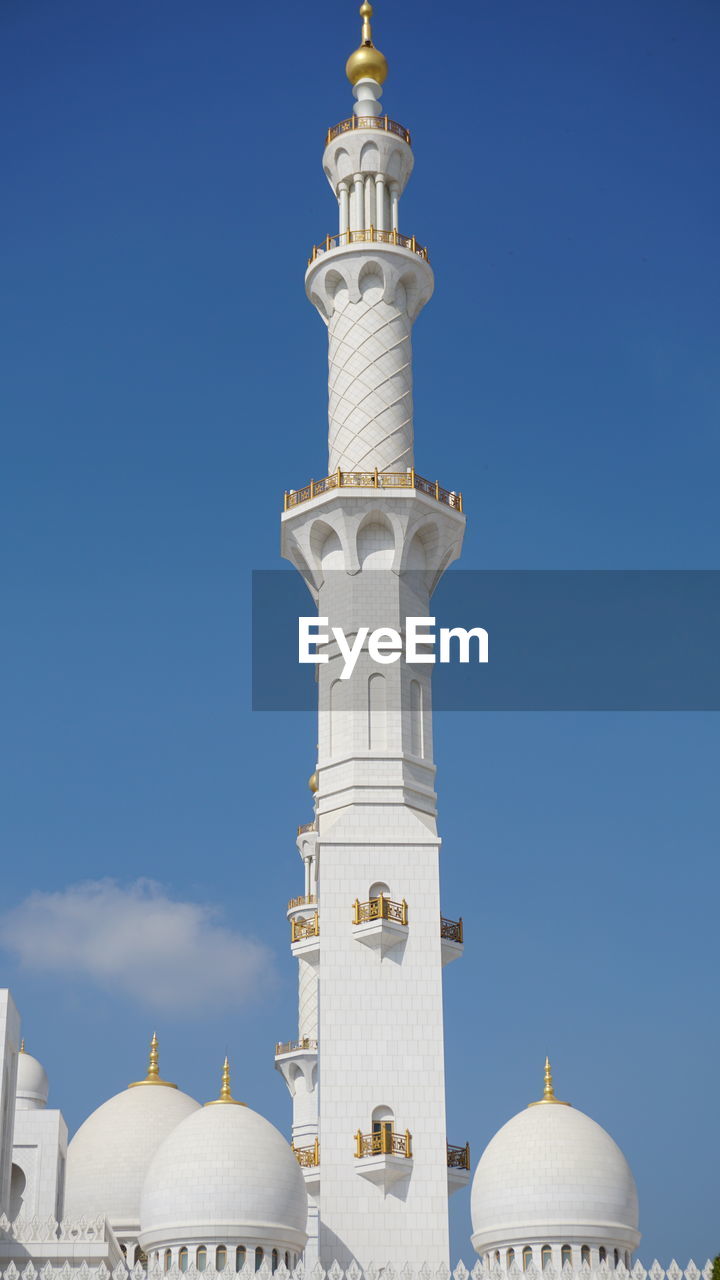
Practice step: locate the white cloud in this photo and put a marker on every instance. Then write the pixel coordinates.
(138, 941)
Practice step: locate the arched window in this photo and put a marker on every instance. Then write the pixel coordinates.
(183, 1259)
(546, 1255)
(240, 1255)
(259, 1255)
(627, 1259)
(417, 745)
(616, 1257)
(497, 1255)
(509, 1257)
(275, 1259)
(167, 1262)
(383, 1122)
(377, 713)
(602, 1253)
(220, 1257)
(287, 1259)
(201, 1258)
(566, 1255)
(585, 1254)
(527, 1257)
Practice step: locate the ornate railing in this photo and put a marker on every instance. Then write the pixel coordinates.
(296, 1046)
(458, 1157)
(451, 929)
(380, 908)
(367, 122)
(306, 826)
(372, 234)
(384, 1143)
(308, 1157)
(300, 929)
(373, 480)
(305, 900)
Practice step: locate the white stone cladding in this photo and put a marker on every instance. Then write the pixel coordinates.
(369, 295)
(372, 559)
(40, 1152)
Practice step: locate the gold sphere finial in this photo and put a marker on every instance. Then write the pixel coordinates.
(548, 1090)
(313, 782)
(153, 1072)
(366, 62)
(225, 1091)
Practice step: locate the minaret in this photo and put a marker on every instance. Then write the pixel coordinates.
(371, 541)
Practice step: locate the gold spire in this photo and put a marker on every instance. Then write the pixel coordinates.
(366, 62)
(153, 1075)
(548, 1091)
(22, 1045)
(225, 1094)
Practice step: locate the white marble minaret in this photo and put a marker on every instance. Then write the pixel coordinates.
(372, 540)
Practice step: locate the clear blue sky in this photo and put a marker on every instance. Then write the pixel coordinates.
(164, 380)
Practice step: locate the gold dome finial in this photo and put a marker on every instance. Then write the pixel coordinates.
(153, 1074)
(367, 62)
(22, 1045)
(549, 1091)
(225, 1092)
(313, 782)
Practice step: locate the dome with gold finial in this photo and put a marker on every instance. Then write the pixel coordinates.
(225, 1177)
(110, 1153)
(553, 1186)
(367, 62)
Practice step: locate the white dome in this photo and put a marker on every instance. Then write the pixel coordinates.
(225, 1174)
(110, 1153)
(31, 1093)
(552, 1174)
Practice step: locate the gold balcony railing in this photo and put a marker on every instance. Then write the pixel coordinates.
(305, 900)
(372, 235)
(308, 1157)
(373, 480)
(367, 122)
(301, 929)
(451, 929)
(458, 1157)
(380, 908)
(384, 1143)
(306, 826)
(296, 1046)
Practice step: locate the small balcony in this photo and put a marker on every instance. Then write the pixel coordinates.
(309, 1160)
(458, 1163)
(305, 827)
(383, 1156)
(408, 479)
(303, 900)
(451, 939)
(368, 235)
(305, 935)
(293, 1054)
(286, 1047)
(380, 923)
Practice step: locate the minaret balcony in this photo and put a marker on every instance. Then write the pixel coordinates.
(367, 122)
(305, 935)
(294, 1058)
(383, 1157)
(368, 235)
(306, 827)
(458, 1164)
(372, 480)
(451, 939)
(309, 1160)
(298, 906)
(380, 923)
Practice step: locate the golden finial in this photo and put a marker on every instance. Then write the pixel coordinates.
(225, 1093)
(313, 782)
(548, 1091)
(22, 1045)
(153, 1075)
(367, 62)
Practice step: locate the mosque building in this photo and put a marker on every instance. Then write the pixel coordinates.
(153, 1177)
